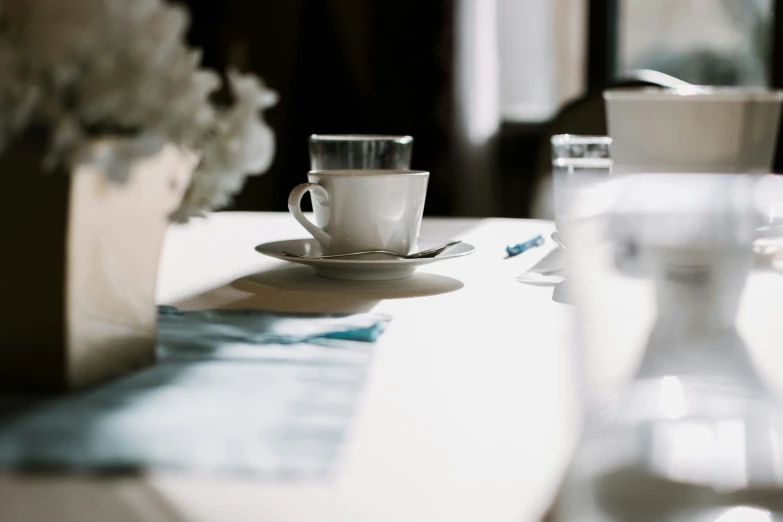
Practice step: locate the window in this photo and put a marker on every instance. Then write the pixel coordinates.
(544, 51)
(542, 55)
(707, 42)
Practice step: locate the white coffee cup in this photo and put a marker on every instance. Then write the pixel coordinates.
(363, 209)
(693, 129)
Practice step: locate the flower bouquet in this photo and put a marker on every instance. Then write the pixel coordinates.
(107, 134)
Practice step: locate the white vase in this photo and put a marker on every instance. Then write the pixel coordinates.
(77, 299)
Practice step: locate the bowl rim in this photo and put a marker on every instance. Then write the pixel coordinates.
(695, 92)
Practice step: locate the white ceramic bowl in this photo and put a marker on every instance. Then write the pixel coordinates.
(697, 129)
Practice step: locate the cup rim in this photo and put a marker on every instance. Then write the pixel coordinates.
(402, 138)
(368, 172)
(696, 92)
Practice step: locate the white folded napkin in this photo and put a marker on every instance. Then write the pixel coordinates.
(549, 271)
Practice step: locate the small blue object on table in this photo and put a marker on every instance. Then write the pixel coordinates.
(515, 250)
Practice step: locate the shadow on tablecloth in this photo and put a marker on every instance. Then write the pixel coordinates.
(296, 288)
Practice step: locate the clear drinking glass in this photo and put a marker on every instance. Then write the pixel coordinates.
(360, 151)
(578, 164)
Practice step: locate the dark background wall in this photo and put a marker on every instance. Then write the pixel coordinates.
(387, 67)
(339, 66)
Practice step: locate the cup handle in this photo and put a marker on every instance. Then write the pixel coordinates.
(294, 207)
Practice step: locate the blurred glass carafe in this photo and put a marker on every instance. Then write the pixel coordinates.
(693, 435)
(360, 151)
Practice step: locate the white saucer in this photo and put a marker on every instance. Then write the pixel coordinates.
(369, 267)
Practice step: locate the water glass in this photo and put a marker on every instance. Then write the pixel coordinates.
(360, 151)
(579, 164)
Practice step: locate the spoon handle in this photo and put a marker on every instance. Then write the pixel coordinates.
(327, 256)
(432, 251)
(417, 255)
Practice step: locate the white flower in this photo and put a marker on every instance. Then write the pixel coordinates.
(243, 144)
(84, 68)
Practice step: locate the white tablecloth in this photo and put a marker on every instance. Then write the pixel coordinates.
(467, 415)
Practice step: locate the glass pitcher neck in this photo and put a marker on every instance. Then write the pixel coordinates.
(694, 334)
